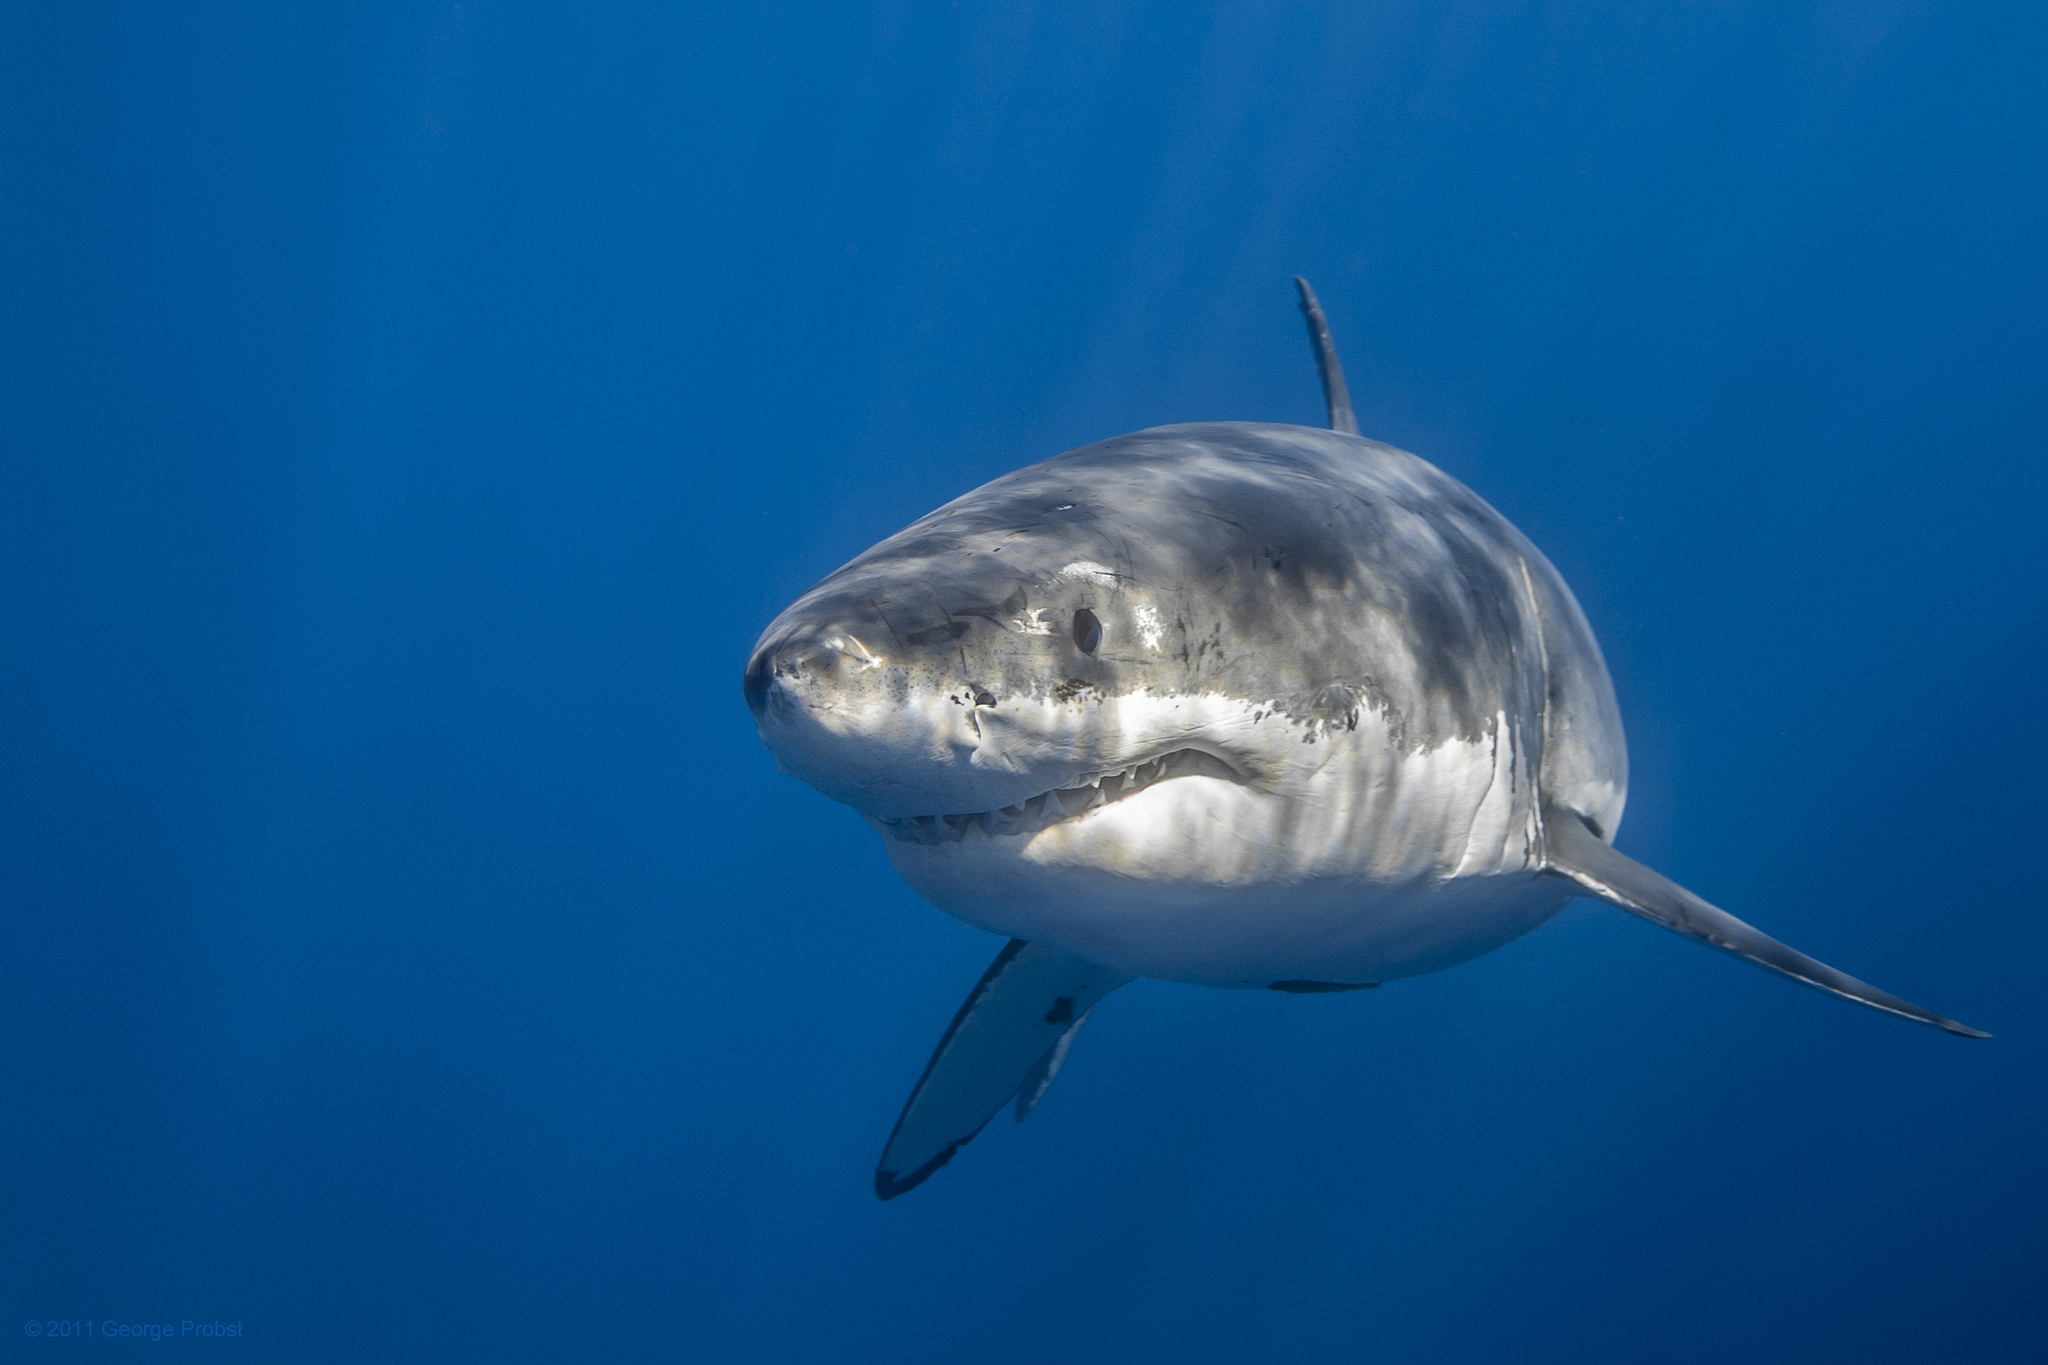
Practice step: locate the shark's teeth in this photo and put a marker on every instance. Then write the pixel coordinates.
(1072, 800)
(1064, 803)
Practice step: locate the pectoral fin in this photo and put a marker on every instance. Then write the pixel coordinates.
(1009, 1038)
(1041, 1078)
(1574, 852)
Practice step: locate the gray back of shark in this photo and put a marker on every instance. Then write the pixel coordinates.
(1232, 703)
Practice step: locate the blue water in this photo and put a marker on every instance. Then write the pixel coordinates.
(410, 414)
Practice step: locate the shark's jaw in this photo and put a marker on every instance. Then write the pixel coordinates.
(1185, 870)
(1244, 848)
(1061, 804)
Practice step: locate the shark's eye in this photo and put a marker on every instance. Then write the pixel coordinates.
(1087, 631)
(984, 699)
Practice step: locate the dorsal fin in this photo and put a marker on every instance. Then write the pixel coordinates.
(1334, 393)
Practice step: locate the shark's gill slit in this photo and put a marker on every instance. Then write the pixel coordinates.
(1062, 803)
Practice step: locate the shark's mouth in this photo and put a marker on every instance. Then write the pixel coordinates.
(1064, 803)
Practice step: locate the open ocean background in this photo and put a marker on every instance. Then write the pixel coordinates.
(410, 414)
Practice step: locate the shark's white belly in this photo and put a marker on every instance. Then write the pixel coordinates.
(1357, 863)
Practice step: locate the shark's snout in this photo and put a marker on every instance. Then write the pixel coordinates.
(805, 668)
(755, 682)
(855, 719)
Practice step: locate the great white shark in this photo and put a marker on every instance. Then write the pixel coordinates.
(1234, 703)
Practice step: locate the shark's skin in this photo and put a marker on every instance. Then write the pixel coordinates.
(1378, 678)
(1230, 703)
